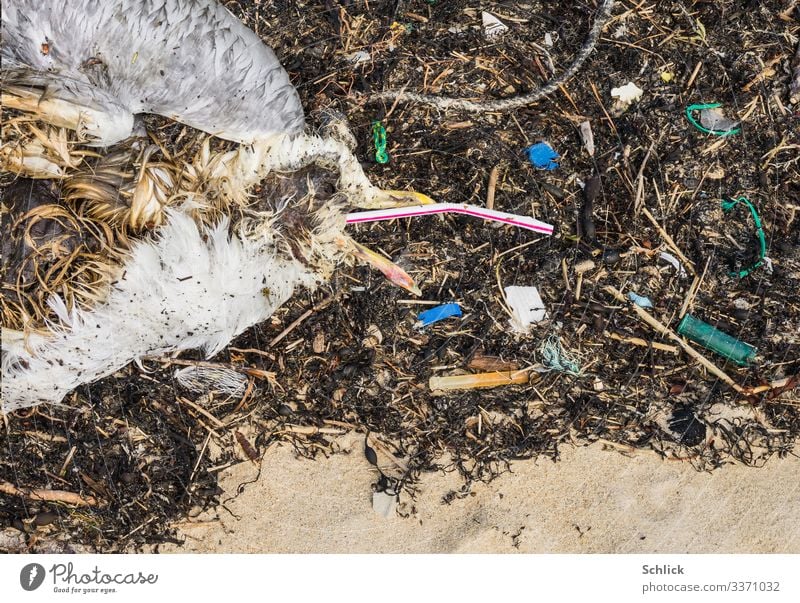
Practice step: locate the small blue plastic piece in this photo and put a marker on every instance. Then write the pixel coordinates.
(640, 300)
(439, 313)
(542, 156)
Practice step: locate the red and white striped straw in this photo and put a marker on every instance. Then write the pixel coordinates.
(450, 208)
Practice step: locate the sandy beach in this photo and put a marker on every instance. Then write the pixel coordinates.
(591, 501)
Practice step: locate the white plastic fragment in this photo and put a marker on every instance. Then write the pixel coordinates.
(587, 137)
(384, 503)
(493, 27)
(527, 307)
(361, 56)
(668, 257)
(548, 39)
(715, 119)
(628, 93)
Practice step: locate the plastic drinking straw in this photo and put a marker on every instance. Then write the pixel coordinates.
(450, 208)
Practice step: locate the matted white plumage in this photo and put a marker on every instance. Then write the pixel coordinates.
(90, 66)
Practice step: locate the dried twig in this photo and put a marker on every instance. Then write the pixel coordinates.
(59, 496)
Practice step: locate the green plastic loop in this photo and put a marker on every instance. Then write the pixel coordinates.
(728, 205)
(379, 140)
(692, 108)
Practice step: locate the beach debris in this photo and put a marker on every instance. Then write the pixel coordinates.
(493, 28)
(556, 358)
(385, 503)
(585, 228)
(640, 300)
(370, 454)
(626, 95)
(542, 156)
(727, 206)
(450, 208)
(671, 259)
(202, 379)
(438, 313)
(549, 38)
(360, 56)
(662, 329)
(712, 120)
(715, 340)
(686, 427)
(587, 136)
(479, 380)
(584, 266)
(248, 449)
(379, 142)
(667, 76)
(484, 363)
(526, 306)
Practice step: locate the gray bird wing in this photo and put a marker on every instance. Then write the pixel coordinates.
(190, 60)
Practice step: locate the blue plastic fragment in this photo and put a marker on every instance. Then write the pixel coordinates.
(640, 300)
(542, 156)
(439, 313)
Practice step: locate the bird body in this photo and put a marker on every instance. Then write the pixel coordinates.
(188, 60)
(198, 258)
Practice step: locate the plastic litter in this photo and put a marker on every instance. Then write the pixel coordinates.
(728, 205)
(493, 27)
(379, 141)
(556, 358)
(627, 94)
(450, 208)
(438, 313)
(542, 156)
(715, 340)
(384, 504)
(668, 257)
(527, 306)
(712, 121)
(640, 300)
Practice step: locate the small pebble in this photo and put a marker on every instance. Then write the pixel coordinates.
(611, 256)
(45, 518)
(284, 410)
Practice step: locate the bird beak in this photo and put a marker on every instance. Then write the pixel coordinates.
(393, 272)
(389, 199)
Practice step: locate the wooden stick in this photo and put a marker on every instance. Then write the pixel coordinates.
(666, 331)
(669, 240)
(645, 344)
(492, 186)
(60, 496)
(324, 303)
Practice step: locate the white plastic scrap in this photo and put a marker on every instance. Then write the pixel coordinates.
(587, 137)
(527, 307)
(361, 56)
(384, 503)
(628, 93)
(714, 119)
(493, 27)
(668, 257)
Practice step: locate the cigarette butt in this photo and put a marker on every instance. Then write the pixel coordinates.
(480, 380)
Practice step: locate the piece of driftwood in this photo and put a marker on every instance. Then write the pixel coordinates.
(61, 496)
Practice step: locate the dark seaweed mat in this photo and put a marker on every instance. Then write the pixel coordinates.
(148, 482)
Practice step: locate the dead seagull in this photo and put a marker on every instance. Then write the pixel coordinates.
(204, 258)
